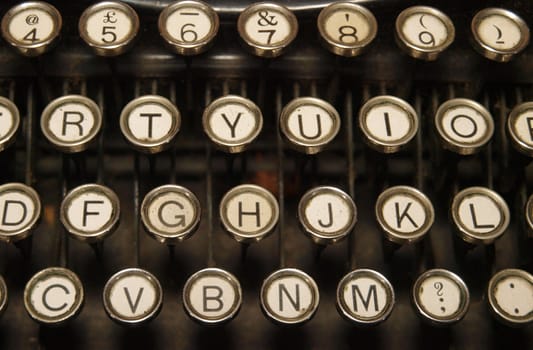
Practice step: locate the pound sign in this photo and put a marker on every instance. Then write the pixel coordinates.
(266, 19)
(109, 17)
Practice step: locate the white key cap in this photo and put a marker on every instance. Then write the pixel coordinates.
(9, 122)
(510, 295)
(20, 210)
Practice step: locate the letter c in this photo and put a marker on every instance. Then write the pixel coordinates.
(45, 293)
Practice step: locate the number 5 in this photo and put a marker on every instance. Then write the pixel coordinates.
(107, 30)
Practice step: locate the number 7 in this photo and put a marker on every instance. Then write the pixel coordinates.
(270, 34)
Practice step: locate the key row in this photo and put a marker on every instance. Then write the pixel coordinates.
(249, 213)
(267, 29)
(288, 296)
(150, 123)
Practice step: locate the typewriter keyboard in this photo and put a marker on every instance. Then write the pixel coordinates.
(276, 175)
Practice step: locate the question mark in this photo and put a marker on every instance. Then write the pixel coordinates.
(439, 287)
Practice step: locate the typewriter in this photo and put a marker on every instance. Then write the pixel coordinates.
(288, 174)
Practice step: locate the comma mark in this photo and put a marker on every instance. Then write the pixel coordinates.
(443, 309)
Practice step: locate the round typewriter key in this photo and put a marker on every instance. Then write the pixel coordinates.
(424, 32)
(365, 297)
(132, 297)
(3, 295)
(327, 214)
(267, 28)
(188, 27)
(31, 27)
(404, 213)
(109, 27)
(71, 123)
(309, 124)
(20, 210)
(9, 122)
(499, 34)
(249, 213)
(346, 29)
(170, 213)
(529, 215)
(388, 123)
(232, 123)
(289, 297)
(212, 296)
(90, 212)
(480, 215)
(463, 125)
(511, 297)
(441, 297)
(150, 123)
(520, 127)
(53, 296)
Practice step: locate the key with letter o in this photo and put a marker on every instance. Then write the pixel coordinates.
(424, 32)
(212, 296)
(90, 212)
(150, 123)
(499, 34)
(464, 126)
(309, 124)
(109, 27)
(132, 297)
(20, 210)
(188, 27)
(31, 27)
(440, 297)
(404, 213)
(510, 295)
(249, 213)
(388, 123)
(53, 296)
(71, 123)
(480, 215)
(9, 122)
(170, 213)
(232, 123)
(327, 214)
(365, 297)
(267, 29)
(346, 29)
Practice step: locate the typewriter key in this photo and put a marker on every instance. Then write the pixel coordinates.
(511, 297)
(232, 123)
(346, 29)
(404, 213)
(150, 123)
(327, 214)
(424, 32)
(388, 123)
(31, 27)
(520, 128)
(170, 213)
(3, 295)
(90, 212)
(9, 122)
(53, 296)
(249, 213)
(267, 29)
(20, 210)
(289, 297)
(132, 297)
(309, 124)
(188, 27)
(440, 297)
(480, 215)
(71, 123)
(529, 215)
(212, 296)
(463, 125)
(499, 34)
(365, 297)
(109, 27)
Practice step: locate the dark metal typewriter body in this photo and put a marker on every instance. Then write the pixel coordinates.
(192, 161)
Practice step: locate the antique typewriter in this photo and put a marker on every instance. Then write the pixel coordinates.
(293, 174)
